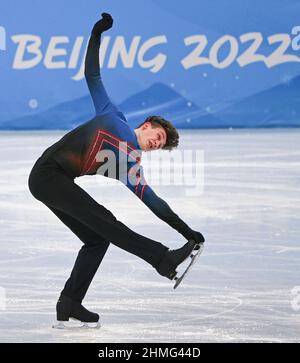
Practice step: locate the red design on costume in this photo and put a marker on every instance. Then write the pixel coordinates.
(101, 138)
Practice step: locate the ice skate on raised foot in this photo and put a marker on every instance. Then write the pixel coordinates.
(193, 260)
(72, 315)
(173, 258)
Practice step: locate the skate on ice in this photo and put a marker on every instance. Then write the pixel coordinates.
(72, 315)
(74, 324)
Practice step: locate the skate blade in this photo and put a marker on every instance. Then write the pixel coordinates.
(194, 252)
(194, 257)
(74, 324)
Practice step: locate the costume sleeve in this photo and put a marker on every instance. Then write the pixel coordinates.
(100, 98)
(136, 182)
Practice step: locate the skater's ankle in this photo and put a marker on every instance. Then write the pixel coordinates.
(67, 296)
(166, 267)
(161, 258)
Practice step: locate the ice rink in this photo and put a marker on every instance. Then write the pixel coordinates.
(242, 289)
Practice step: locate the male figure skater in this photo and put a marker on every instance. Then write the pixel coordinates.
(78, 153)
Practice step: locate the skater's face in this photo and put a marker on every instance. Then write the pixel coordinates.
(151, 138)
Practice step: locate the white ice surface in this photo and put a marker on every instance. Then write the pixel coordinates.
(240, 288)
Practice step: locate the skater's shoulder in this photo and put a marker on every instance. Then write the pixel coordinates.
(115, 125)
(112, 117)
(112, 120)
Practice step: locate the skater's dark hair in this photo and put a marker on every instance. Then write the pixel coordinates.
(172, 134)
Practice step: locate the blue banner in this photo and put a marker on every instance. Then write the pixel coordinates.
(200, 64)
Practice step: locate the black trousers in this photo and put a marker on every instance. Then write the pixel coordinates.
(92, 223)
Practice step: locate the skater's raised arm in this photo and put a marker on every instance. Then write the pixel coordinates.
(100, 98)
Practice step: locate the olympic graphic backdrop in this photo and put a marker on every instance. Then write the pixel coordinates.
(200, 64)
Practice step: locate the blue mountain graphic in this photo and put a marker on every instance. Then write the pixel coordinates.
(162, 100)
(64, 116)
(278, 106)
(158, 99)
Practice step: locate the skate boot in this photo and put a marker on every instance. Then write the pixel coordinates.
(66, 309)
(174, 258)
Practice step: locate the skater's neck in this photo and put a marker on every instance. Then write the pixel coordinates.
(137, 134)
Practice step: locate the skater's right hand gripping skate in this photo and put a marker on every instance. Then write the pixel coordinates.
(103, 24)
(197, 237)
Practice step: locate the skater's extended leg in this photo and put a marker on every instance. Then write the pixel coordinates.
(61, 193)
(88, 259)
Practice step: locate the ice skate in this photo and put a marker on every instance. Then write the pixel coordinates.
(72, 315)
(74, 324)
(194, 257)
(173, 258)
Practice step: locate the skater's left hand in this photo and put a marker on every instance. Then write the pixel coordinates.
(103, 24)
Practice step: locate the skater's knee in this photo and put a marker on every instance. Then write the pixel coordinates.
(36, 188)
(33, 186)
